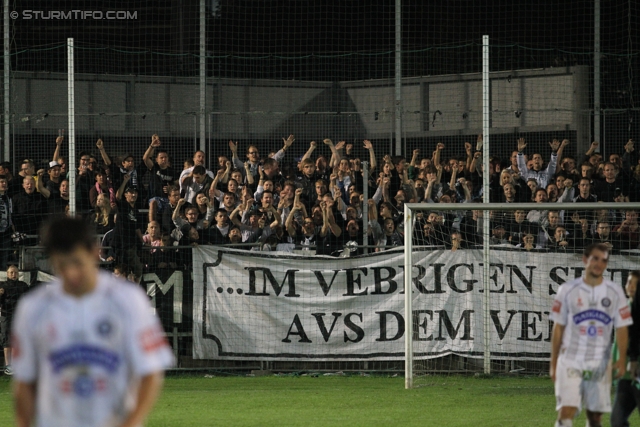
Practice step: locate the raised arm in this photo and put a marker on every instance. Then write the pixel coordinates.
(56, 153)
(279, 155)
(176, 211)
(248, 174)
(522, 165)
(40, 186)
(414, 157)
(148, 155)
(233, 146)
(214, 193)
(312, 146)
(372, 156)
(437, 155)
(563, 144)
(335, 156)
(454, 173)
(276, 215)
(467, 150)
(103, 153)
(125, 181)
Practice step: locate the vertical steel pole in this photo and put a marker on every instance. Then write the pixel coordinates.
(365, 205)
(203, 75)
(7, 98)
(408, 300)
(398, 78)
(486, 256)
(596, 71)
(71, 111)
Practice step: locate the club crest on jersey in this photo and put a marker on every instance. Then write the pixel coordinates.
(105, 328)
(591, 314)
(557, 305)
(83, 386)
(606, 302)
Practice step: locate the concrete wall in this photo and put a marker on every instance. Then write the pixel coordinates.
(548, 100)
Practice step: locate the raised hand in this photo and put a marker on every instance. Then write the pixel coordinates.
(181, 202)
(59, 140)
(233, 146)
(348, 148)
(228, 164)
(367, 144)
(247, 166)
(479, 142)
(564, 143)
(340, 145)
(594, 146)
(555, 145)
(467, 147)
(440, 146)
(155, 140)
(328, 142)
(628, 147)
(288, 141)
(521, 145)
(298, 192)
(313, 144)
(99, 143)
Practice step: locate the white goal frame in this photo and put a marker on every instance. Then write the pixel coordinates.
(409, 221)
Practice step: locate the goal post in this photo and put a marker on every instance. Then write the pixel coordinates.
(451, 326)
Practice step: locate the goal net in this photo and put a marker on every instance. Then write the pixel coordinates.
(483, 278)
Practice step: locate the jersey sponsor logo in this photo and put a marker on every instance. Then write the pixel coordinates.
(557, 305)
(84, 354)
(625, 313)
(152, 339)
(592, 315)
(606, 302)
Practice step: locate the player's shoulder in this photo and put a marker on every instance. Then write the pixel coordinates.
(40, 297)
(614, 286)
(570, 285)
(122, 292)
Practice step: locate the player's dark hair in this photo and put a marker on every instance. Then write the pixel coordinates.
(596, 246)
(199, 170)
(63, 235)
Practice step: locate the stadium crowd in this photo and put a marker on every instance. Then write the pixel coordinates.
(315, 203)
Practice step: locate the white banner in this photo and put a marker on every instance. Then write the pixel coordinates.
(266, 306)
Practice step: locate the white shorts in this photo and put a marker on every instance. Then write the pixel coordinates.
(574, 387)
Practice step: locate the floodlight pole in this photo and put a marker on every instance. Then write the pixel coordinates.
(72, 128)
(486, 175)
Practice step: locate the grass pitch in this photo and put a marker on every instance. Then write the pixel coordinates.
(346, 401)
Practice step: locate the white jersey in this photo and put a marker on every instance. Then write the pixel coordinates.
(589, 314)
(87, 355)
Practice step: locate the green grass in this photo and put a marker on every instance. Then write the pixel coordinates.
(346, 401)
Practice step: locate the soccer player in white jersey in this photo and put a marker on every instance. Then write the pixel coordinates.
(585, 311)
(87, 349)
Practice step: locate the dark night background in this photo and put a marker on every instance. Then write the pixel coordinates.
(331, 41)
